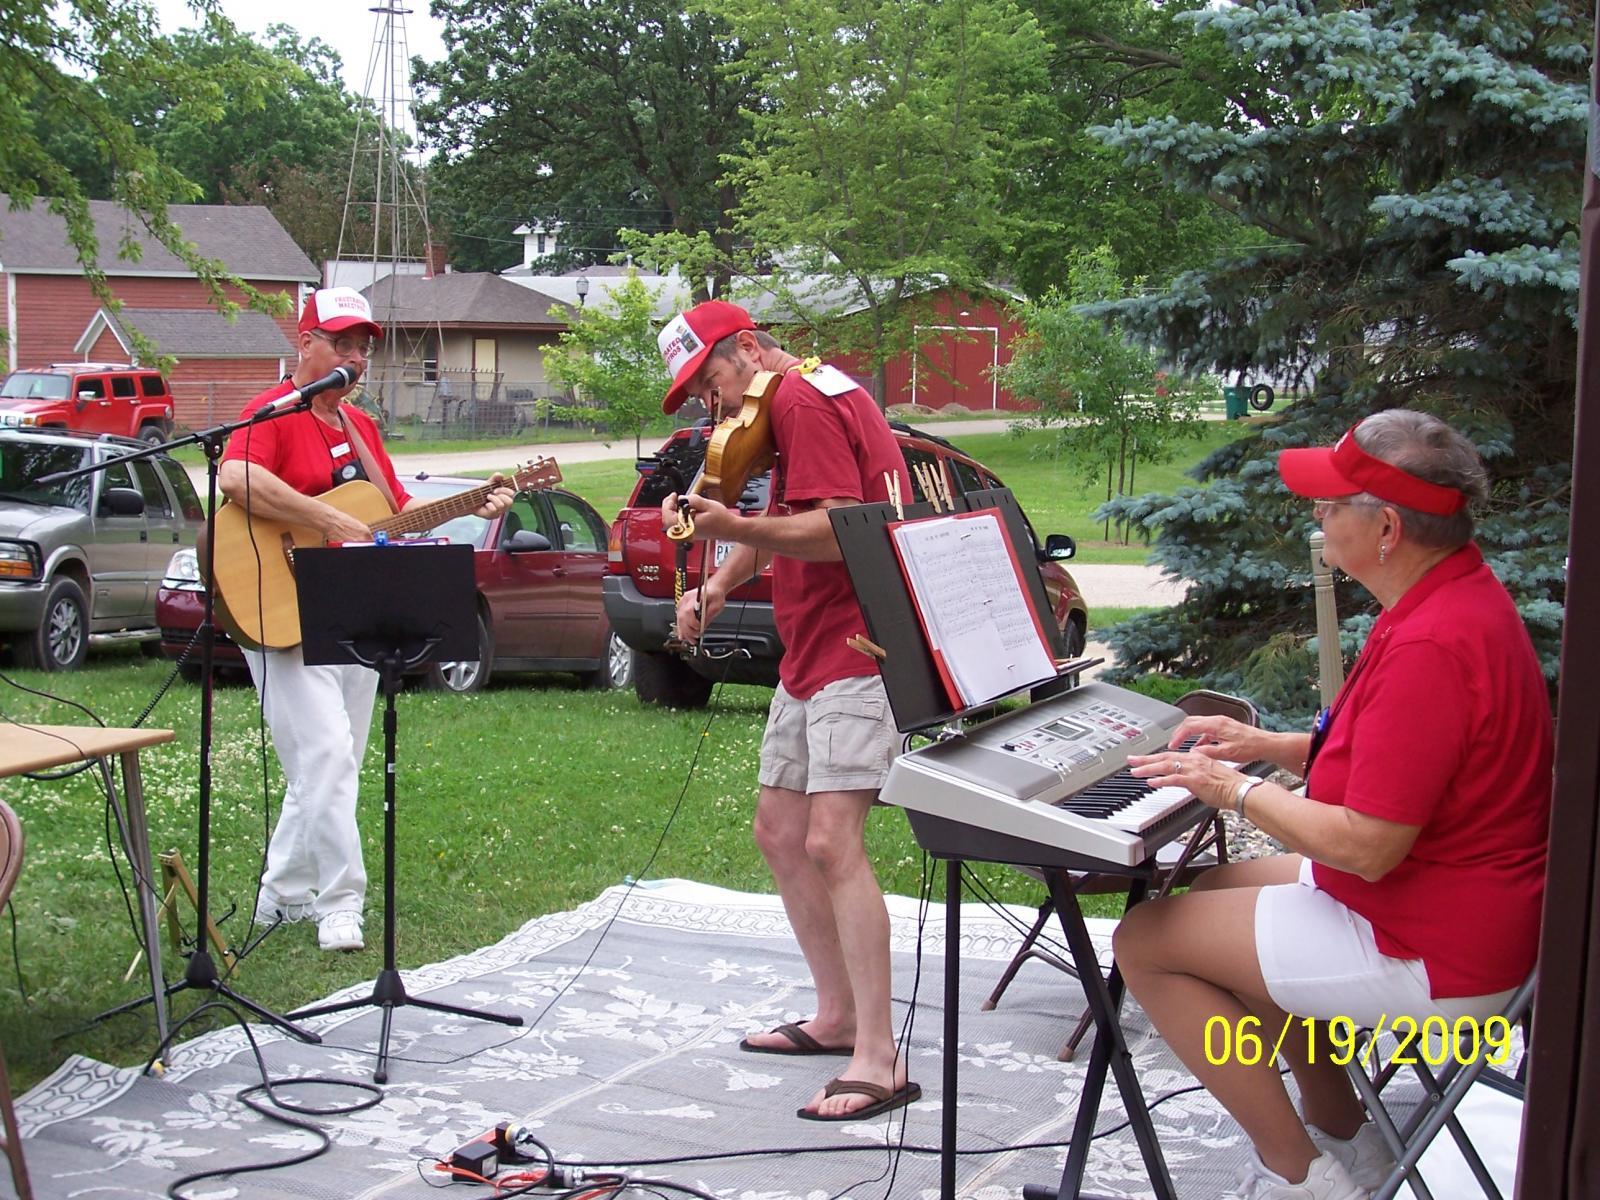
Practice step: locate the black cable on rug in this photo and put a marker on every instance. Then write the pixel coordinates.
(280, 1107)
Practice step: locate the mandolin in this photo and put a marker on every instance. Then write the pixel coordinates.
(253, 574)
(739, 447)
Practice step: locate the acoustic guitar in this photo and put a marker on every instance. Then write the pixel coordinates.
(253, 575)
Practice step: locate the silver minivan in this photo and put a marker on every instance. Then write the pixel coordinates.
(84, 556)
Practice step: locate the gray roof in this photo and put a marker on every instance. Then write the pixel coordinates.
(459, 298)
(204, 332)
(247, 239)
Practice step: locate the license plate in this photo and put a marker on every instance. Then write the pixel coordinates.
(720, 554)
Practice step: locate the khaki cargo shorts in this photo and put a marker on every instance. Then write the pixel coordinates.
(840, 740)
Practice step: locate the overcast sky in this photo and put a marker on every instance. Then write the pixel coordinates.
(349, 26)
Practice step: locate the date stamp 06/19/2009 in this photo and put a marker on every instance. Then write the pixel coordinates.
(1432, 1040)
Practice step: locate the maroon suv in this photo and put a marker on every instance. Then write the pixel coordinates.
(742, 645)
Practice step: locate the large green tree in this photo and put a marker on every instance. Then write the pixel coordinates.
(1111, 59)
(54, 126)
(887, 135)
(598, 114)
(1418, 169)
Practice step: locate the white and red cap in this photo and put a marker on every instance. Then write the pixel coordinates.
(688, 338)
(333, 310)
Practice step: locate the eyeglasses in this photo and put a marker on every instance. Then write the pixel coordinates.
(346, 344)
(1321, 508)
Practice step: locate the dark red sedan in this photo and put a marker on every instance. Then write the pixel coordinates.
(539, 567)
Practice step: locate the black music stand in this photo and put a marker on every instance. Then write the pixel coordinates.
(390, 608)
(917, 696)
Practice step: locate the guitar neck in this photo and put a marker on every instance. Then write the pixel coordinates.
(426, 516)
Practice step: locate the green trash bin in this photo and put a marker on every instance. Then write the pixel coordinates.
(1236, 401)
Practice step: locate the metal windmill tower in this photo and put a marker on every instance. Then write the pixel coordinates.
(384, 226)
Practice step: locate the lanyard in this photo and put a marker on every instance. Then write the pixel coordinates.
(1323, 723)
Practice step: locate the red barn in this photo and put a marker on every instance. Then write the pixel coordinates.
(960, 342)
(51, 315)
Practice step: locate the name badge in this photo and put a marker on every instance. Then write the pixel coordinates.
(340, 450)
(830, 381)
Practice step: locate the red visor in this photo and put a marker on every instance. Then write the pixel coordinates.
(1347, 469)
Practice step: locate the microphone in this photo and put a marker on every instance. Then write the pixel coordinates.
(339, 377)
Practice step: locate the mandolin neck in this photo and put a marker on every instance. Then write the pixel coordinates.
(426, 516)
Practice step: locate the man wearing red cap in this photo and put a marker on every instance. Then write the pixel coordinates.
(830, 735)
(319, 715)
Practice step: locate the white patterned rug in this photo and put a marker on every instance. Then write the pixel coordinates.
(637, 1059)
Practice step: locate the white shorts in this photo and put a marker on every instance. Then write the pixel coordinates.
(1321, 960)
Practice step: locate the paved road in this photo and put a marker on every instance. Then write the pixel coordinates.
(1103, 584)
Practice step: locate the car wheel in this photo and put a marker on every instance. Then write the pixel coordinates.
(667, 680)
(152, 435)
(1261, 397)
(190, 672)
(62, 639)
(616, 668)
(469, 675)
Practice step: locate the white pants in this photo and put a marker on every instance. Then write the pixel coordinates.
(319, 717)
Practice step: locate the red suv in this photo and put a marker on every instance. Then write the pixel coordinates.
(742, 644)
(89, 398)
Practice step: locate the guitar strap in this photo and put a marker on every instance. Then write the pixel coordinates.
(368, 463)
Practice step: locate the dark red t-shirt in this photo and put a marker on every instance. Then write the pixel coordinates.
(829, 448)
(303, 451)
(1446, 725)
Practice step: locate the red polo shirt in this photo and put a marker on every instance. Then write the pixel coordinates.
(1445, 723)
(829, 448)
(303, 451)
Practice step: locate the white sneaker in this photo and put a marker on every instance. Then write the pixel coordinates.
(1325, 1180)
(340, 930)
(1365, 1157)
(270, 911)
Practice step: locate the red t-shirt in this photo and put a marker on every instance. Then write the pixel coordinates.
(829, 448)
(1445, 723)
(303, 451)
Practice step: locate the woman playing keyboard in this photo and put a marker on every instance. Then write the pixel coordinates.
(1416, 875)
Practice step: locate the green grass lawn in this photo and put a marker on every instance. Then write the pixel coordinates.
(528, 798)
(1058, 501)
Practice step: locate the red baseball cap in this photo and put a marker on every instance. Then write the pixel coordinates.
(688, 338)
(1347, 469)
(334, 310)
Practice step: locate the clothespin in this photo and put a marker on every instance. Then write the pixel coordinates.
(930, 486)
(870, 649)
(891, 482)
(944, 488)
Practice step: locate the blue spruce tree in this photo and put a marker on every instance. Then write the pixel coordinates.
(1418, 168)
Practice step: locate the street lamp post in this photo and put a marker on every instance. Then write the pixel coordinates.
(582, 287)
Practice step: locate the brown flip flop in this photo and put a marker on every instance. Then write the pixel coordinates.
(883, 1100)
(800, 1043)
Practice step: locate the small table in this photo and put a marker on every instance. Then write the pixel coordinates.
(25, 748)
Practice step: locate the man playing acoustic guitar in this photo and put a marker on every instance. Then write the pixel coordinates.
(319, 715)
(830, 735)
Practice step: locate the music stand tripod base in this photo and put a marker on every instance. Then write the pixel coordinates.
(389, 608)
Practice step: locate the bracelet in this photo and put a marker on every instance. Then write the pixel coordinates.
(1241, 792)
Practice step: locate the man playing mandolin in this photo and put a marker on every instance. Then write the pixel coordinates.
(830, 735)
(320, 715)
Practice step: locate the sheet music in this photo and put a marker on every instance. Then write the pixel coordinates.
(964, 579)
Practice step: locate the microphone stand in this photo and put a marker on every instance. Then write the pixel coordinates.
(201, 972)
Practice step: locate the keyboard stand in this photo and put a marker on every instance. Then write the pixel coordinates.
(957, 843)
